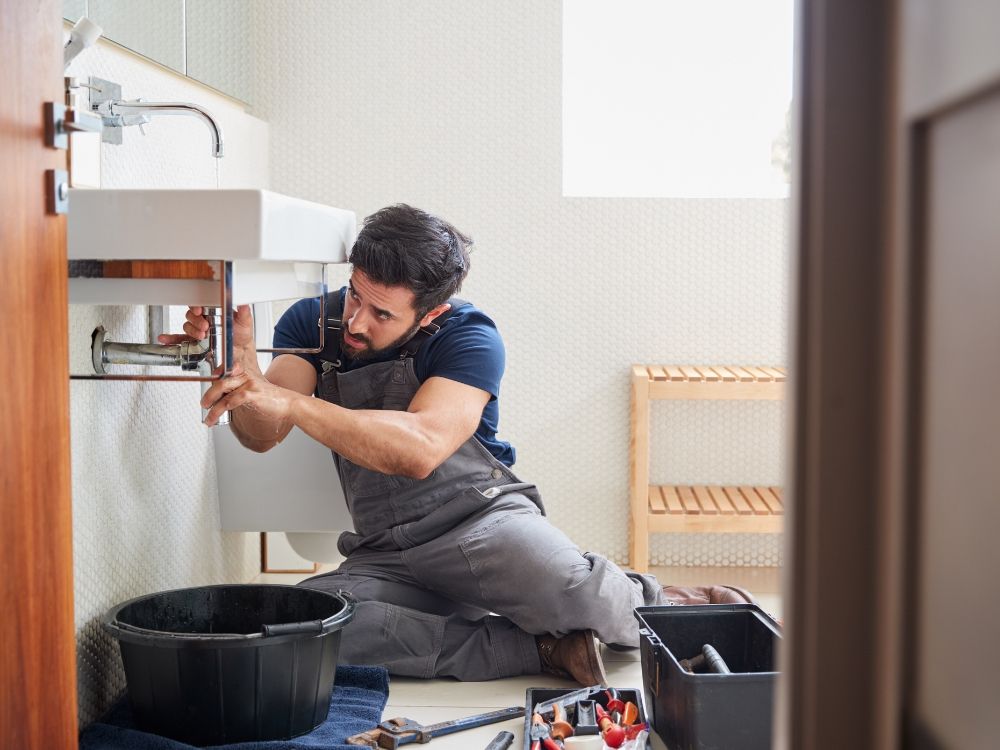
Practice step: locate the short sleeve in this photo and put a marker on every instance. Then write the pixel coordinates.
(468, 350)
(297, 329)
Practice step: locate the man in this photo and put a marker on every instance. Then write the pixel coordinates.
(456, 569)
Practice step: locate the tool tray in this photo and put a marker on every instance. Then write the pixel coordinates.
(534, 696)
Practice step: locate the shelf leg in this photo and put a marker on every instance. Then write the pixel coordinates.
(639, 474)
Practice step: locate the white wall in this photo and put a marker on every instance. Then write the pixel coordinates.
(145, 500)
(454, 106)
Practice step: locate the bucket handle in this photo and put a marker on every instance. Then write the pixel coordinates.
(289, 628)
(333, 622)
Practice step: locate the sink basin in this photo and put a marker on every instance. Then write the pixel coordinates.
(278, 244)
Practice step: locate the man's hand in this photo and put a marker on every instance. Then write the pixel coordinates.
(251, 391)
(196, 328)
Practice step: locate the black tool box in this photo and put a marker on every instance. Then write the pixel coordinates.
(534, 696)
(709, 711)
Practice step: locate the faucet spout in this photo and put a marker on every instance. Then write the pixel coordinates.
(122, 113)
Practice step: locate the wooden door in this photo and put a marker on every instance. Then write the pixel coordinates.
(895, 497)
(950, 123)
(37, 651)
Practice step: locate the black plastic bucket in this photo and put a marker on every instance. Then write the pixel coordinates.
(231, 663)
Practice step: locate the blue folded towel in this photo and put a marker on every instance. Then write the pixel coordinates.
(359, 695)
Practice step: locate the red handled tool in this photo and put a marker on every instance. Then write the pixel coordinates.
(614, 735)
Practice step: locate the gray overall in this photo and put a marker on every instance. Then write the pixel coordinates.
(456, 573)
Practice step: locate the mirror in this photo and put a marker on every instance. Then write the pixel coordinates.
(207, 40)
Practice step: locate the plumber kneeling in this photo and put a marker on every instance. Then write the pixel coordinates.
(456, 569)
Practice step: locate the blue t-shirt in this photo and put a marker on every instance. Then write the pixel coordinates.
(467, 349)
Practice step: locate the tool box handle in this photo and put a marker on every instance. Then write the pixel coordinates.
(651, 671)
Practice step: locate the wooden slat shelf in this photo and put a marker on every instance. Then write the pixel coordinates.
(697, 508)
(714, 509)
(730, 382)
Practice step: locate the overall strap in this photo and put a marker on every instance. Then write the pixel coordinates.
(330, 357)
(411, 347)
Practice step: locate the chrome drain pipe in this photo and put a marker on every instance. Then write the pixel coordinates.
(188, 355)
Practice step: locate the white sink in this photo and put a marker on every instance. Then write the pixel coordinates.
(277, 244)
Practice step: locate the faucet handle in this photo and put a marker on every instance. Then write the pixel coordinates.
(134, 119)
(108, 110)
(139, 120)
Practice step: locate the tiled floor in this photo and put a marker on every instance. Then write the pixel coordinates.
(431, 701)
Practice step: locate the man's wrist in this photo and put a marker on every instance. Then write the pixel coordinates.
(296, 402)
(246, 357)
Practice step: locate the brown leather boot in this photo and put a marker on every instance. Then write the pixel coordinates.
(576, 656)
(707, 595)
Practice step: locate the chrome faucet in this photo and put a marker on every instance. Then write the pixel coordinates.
(117, 113)
(123, 113)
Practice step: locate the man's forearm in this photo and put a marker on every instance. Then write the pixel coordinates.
(442, 415)
(390, 442)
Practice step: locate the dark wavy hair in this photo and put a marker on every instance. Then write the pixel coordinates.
(404, 246)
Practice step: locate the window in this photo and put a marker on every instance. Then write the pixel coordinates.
(676, 98)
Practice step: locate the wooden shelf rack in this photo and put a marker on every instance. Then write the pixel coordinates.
(696, 508)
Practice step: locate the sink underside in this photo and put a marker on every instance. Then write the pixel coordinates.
(277, 245)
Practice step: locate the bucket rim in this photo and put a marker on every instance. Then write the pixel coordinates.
(283, 632)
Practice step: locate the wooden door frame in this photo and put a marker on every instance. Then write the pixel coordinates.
(852, 384)
(873, 74)
(38, 702)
